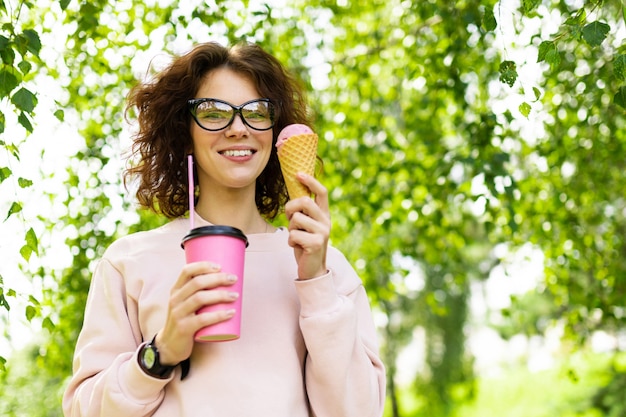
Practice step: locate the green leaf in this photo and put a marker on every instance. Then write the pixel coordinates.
(64, 4)
(23, 120)
(577, 19)
(595, 32)
(524, 108)
(30, 313)
(537, 93)
(2, 122)
(26, 252)
(620, 97)
(3, 301)
(5, 173)
(31, 240)
(548, 52)
(7, 54)
(13, 149)
(619, 67)
(489, 20)
(25, 67)
(33, 300)
(576, 32)
(8, 80)
(544, 47)
(24, 100)
(31, 245)
(575, 23)
(529, 5)
(60, 115)
(15, 208)
(24, 183)
(508, 72)
(48, 324)
(33, 43)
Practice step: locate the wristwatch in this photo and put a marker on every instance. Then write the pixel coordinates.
(148, 359)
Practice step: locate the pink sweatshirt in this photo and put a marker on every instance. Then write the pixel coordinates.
(307, 348)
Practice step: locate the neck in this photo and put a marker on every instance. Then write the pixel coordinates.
(232, 208)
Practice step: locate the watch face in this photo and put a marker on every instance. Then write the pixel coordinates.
(149, 357)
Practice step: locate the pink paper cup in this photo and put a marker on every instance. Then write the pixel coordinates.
(225, 246)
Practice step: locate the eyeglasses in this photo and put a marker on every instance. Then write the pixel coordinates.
(213, 114)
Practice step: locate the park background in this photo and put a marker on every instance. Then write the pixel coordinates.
(475, 157)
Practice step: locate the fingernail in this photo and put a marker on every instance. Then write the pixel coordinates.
(214, 266)
(231, 278)
(230, 313)
(233, 295)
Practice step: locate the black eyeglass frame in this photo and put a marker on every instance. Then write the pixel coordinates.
(193, 104)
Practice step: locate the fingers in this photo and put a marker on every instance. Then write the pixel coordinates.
(318, 208)
(316, 187)
(309, 242)
(203, 298)
(309, 228)
(193, 269)
(201, 284)
(304, 226)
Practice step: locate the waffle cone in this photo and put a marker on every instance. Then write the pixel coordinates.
(298, 154)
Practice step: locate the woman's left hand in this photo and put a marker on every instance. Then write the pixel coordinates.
(309, 228)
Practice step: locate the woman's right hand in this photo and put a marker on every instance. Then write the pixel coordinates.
(194, 289)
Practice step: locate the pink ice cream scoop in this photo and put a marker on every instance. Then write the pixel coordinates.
(292, 130)
(297, 152)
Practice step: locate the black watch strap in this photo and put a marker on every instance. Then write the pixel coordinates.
(149, 361)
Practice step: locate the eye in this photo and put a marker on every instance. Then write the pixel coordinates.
(210, 110)
(256, 111)
(255, 115)
(212, 114)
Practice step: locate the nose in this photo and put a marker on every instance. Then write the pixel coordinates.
(237, 128)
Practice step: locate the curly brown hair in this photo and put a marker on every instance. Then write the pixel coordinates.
(163, 141)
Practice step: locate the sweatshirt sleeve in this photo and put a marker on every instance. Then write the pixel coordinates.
(344, 374)
(107, 379)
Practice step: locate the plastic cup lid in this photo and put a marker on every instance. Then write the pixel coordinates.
(215, 230)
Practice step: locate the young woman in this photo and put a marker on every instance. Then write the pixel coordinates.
(308, 345)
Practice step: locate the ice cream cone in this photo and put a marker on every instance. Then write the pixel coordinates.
(298, 154)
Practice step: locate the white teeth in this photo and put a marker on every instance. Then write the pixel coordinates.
(242, 152)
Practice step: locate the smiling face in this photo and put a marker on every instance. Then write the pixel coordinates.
(231, 158)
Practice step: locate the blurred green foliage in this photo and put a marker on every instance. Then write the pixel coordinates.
(569, 389)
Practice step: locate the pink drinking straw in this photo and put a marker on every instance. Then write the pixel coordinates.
(191, 189)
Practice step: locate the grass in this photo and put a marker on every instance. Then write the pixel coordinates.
(564, 391)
